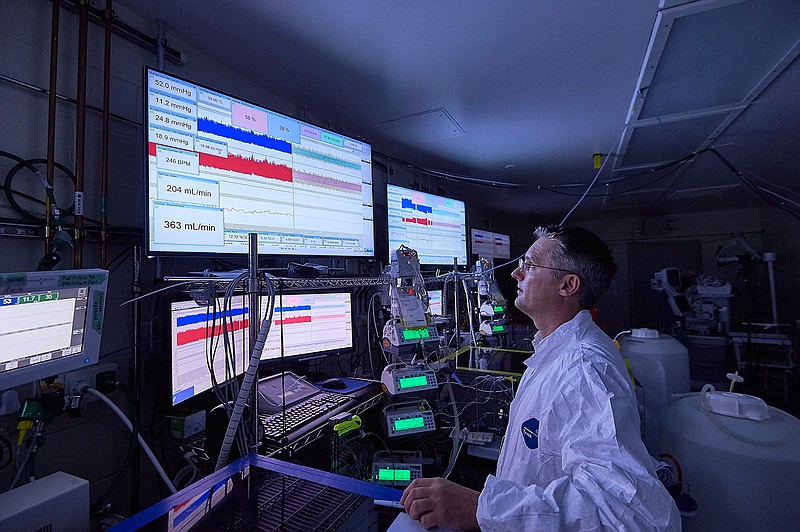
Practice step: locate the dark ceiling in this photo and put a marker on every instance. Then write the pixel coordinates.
(523, 93)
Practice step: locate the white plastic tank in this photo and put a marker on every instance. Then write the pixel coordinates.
(660, 364)
(739, 459)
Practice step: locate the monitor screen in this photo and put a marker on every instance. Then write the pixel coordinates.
(219, 168)
(432, 225)
(302, 324)
(196, 335)
(311, 323)
(502, 246)
(487, 244)
(50, 323)
(435, 302)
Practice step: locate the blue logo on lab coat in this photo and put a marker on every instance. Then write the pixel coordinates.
(530, 433)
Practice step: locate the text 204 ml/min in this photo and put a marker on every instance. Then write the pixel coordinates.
(190, 191)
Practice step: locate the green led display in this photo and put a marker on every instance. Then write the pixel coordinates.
(412, 382)
(499, 309)
(498, 328)
(410, 423)
(415, 334)
(35, 298)
(394, 474)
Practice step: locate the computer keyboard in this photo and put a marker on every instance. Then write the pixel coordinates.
(301, 414)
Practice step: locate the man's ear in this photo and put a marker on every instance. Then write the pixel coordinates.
(570, 285)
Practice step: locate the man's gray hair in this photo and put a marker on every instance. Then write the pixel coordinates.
(583, 253)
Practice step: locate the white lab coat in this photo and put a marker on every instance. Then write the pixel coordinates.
(587, 468)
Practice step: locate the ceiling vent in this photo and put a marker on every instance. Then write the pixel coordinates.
(423, 127)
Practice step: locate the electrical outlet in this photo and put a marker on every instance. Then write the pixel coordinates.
(75, 379)
(101, 374)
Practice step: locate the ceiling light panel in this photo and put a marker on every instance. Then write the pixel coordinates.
(717, 56)
(663, 142)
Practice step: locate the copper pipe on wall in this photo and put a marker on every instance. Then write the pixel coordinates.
(80, 132)
(128, 33)
(109, 14)
(51, 118)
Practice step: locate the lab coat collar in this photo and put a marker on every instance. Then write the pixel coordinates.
(567, 331)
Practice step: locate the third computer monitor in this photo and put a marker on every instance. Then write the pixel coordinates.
(433, 225)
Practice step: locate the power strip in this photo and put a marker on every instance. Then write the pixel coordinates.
(479, 437)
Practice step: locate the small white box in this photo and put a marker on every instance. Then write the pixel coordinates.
(56, 503)
(184, 423)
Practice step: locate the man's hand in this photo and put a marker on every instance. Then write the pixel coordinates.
(436, 501)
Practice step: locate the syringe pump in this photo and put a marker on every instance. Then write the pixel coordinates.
(399, 379)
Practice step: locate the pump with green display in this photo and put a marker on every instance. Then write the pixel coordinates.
(412, 417)
(491, 303)
(400, 378)
(409, 328)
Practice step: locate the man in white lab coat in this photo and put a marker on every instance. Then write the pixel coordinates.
(572, 457)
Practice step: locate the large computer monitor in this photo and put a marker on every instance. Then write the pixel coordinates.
(50, 323)
(219, 167)
(303, 324)
(433, 225)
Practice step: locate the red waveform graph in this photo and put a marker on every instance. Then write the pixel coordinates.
(316, 180)
(247, 165)
(421, 221)
(297, 319)
(201, 333)
(240, 165)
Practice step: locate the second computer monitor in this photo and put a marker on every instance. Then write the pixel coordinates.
(303, 324)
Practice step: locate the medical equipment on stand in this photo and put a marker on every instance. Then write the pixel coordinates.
(491, 303)
(704, 307)
(409, 328)
(492, 308)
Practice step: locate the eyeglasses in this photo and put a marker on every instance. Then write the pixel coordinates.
(526, 266)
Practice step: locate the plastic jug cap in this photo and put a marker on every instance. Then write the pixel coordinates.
(738, 405)
(644, 333)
